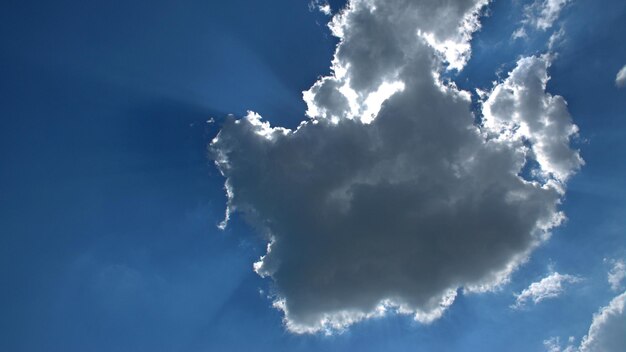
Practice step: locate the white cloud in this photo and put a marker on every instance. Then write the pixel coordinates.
(617, 274)
(540, 15)
(606, 333)
(620, 78)
(553, 344)
(322, 6)
(556, 38)
(519, 110)
(550, 286)
(519, 33)
(543, 13)
(391, 198)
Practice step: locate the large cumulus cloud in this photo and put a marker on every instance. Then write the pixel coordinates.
(392, 196)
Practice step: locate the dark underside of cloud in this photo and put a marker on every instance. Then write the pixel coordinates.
(392, 197)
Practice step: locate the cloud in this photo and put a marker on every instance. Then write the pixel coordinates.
(550, 286)
(321, 6)
(540, 15)
(617, 274)
(553, 344)
(391, 197)
(543, 13)
(620, 78)
(518, 110)
(606, 333)
(556, 39)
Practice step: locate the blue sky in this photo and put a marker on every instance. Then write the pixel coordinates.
(108, 224)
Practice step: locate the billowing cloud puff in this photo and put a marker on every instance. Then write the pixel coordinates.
(620, 79)
(606, 333)
(550, 286)
(518, 110)
(392, 196)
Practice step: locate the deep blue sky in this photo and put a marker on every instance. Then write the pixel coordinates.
(109, 203)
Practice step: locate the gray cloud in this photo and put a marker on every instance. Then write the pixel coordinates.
(390, 197)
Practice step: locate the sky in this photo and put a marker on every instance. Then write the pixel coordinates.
(239, 175)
